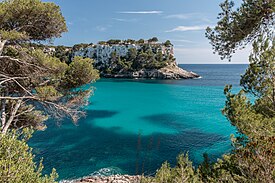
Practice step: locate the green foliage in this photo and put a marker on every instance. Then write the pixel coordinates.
(252, 110)
(132, 54)
(49, 62)
(243, 114)
(80, 46)
(80, 72)
(167, 43)
(63, 53)
(11, 51)
(164, 174)
(47, 93)
(159, 56)
(182, 172)
(255, 118)
(17, 162)
(34, 77)
(102, 42)
(259, 79)
(13, 35)
(153, 39)
(253, 158)
(141, 41)
(252, 163)
(236, 28)
(140, 61)
(30, 18)
(35, 85)
(29, 118)
(130, 41)
(205, 169)
(113, 41)
(148, 57)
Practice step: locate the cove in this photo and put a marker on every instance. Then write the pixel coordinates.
(133, 126)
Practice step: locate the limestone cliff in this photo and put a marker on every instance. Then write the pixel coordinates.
(132, 59)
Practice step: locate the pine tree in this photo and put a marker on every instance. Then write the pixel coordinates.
(34, 85)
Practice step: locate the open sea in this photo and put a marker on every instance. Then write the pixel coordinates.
(133, 126)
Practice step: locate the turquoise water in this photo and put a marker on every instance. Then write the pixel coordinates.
(133, 126)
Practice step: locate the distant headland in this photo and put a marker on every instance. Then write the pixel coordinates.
(133, 59)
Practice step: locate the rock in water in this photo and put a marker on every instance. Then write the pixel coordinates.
(173, 71)
(108, 179)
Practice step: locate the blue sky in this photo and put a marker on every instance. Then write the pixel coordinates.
(181, 21)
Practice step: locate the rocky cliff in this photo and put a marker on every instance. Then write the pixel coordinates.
(128, 59)
(171, 71)
(121, 59)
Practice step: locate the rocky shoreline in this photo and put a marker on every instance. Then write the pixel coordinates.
(171, 71)
(108, 179)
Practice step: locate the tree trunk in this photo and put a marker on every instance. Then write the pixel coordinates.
(2, 44)
(12, 115)
(3, 113)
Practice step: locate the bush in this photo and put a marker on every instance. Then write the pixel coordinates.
(182, 172)
(17, 161)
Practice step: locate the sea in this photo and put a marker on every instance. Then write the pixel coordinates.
(133, 126)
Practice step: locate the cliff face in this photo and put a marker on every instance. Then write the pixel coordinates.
(104, 53)
(151, 60)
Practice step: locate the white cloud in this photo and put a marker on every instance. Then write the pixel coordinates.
(181, 16)
(101, 28)
(124, 20)
(141, 12)
(188, 28)
(188, 16)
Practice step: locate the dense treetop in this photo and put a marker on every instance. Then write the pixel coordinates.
(237, 27)
(252, 110)
(35, 85)
(30, 19)
(17, 163)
